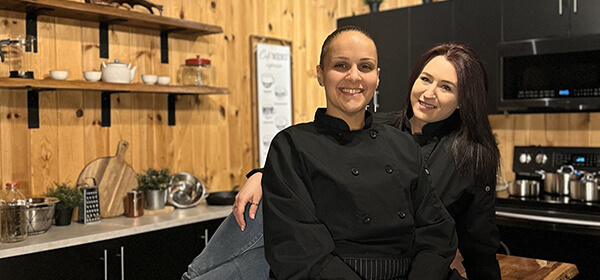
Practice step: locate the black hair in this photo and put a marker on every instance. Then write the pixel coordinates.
(472, 144)
(334, 34)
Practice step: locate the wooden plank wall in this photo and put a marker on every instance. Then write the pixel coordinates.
(212, 138)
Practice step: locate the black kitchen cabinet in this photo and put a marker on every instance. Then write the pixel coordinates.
(163, 254)
(532, 19)
(430, 24)
(478, 24)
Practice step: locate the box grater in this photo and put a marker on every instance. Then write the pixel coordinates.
(89, 209)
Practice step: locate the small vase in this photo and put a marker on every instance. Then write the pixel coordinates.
(63, 217)
(374, 7)
(155, 199)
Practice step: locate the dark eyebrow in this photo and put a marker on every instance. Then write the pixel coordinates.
(445, 81)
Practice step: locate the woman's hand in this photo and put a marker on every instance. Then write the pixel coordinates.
(251, 192)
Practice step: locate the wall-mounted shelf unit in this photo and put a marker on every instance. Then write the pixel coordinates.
(106, 15)
(33, 88)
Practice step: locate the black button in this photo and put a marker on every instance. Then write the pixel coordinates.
(355, 171)
(373, 134)
(366, 219)
(426, 171)
(339, 134)
(402, 215)
(487, 188)
(389, 169)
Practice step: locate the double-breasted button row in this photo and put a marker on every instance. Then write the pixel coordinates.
(388, 170)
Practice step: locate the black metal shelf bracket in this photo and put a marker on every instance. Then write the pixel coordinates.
(105, 107)
(31, 26)
(33, 107)
(164, 44)
(103, 33)
(171, 99)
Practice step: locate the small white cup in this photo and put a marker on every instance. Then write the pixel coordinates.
(149, 79)
(92, 76)
(164, 80)
(59, 74)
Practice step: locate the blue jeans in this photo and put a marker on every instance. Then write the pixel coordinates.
(232, 253)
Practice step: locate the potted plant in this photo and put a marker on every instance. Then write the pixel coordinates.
(69, 198)
(154, 184)
(373, 5)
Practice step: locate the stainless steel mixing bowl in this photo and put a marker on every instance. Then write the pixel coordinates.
(186, 190)
(40, 214)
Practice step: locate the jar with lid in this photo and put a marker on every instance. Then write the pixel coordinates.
(197, 72)
(13, 221)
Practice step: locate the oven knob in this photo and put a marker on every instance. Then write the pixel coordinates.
(541, 158)
(524, 158)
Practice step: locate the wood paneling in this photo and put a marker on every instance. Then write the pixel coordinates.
(213, 135)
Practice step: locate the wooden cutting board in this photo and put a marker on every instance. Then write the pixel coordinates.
(114, 178)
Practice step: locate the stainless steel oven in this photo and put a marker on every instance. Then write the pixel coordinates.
(549, 226)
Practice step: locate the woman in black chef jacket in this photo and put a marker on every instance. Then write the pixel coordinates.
(346, 198)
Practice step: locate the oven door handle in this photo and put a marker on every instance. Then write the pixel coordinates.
(548, 219)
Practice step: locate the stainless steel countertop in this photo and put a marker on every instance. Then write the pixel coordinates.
(110, 228)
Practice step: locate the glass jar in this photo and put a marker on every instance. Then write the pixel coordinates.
(14, 222)
(197, 72)
(190, 72)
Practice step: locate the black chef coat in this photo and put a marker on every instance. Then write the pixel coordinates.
(469, 198)
(331, 193)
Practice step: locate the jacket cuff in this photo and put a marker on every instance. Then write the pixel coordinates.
(253, 171)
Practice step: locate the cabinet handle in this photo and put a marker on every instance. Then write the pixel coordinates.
(560, 7)
(205, 236)
(122, 263)
(574, 6)
(105, 265)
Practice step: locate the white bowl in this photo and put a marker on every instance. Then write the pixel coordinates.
(149, 79)
(92, 76)
(59, 74)
(164, 80)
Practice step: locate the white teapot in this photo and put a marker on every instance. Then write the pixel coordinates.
(117, 72)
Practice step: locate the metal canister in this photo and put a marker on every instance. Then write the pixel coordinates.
(135, 204)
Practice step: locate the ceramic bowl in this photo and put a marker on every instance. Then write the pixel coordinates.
(164, 80)
(59, 74)
(92, 76)
(149, 79)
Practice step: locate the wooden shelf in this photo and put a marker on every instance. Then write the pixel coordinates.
(33, 88)
(48, 84)
(113, 15)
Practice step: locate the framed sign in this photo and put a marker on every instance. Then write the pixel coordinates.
(272, 84)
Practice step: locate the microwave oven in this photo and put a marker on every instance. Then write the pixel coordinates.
(550, 75)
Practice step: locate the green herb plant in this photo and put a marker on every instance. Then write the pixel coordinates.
(153, 179)
(69, 197)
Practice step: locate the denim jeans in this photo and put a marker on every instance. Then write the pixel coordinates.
(232, 253)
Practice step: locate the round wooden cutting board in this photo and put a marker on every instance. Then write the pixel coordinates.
(114, 178)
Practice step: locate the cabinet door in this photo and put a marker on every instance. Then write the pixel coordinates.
(78, 262)
(530, 19)
(585, 17)
(165, 254)
(430, 24)
(477, 24)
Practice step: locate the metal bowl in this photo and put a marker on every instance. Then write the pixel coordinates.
(40, 214)
(186, 190)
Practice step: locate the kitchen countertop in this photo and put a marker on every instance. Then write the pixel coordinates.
(110, 228)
